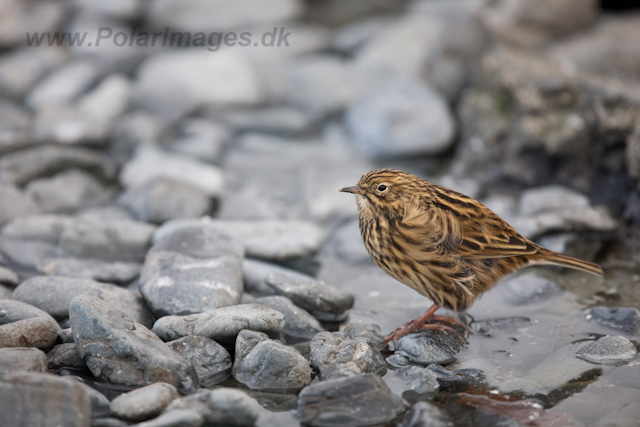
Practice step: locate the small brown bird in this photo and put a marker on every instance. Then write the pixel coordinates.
(443, 244)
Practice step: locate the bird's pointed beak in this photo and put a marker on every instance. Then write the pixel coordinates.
(356, 189)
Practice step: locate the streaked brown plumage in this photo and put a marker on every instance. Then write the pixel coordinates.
(443, 244)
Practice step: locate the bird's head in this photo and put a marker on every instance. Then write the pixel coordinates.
(381, 189)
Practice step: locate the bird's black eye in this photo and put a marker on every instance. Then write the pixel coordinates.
(382, 187)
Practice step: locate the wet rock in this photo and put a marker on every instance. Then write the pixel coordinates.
(192, 270)
(364, 330)
(323, 301)
(420, 383)
(25, 165)
(520, 22)
(118, 350)
(626, 319)
(201, 139)
(299, 325)
(144, 403)
(550, 198)
(20, 69)
(255, 273)
(223, 324)
(429, 347)
(22, 325)
(458, 380)
(150, 163)
(65, 356)
(15, 126)
(175, 284)
(9, 277)
(40, 399)
(164, 199)
(530, 288)
(610, 349)
(53, 294)
(64, 84)
(106, 240)
(264, 364)
(110, 272)
(175, 83)
(15, 204)
(336, 355)
(424, 414)
(221, 406)
(401, 119)
(360, 400)
(14, 360)
(67, 191)
(225, 16)
(88, 120)
(268, 240)
(211, 361)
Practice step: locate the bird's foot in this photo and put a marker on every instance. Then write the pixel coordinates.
(419, 324)
(452, 321)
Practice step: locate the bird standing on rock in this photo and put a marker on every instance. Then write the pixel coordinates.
(443, 244)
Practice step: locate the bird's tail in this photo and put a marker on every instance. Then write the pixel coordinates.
(549, 257)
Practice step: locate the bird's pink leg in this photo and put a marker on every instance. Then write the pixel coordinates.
(419, 324)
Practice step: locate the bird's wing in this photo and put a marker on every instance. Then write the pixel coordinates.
(467, 227)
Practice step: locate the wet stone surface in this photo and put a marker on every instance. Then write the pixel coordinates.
(53, 294)
(626, 319)
(337, 354)
(106, 339)
(323, 301)
(144, 403)
(299, 325)
(222, 406)
(269, 365)
(429, 347)
(356, 401)
(211, 361)
(223, 324)
(606, 350)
